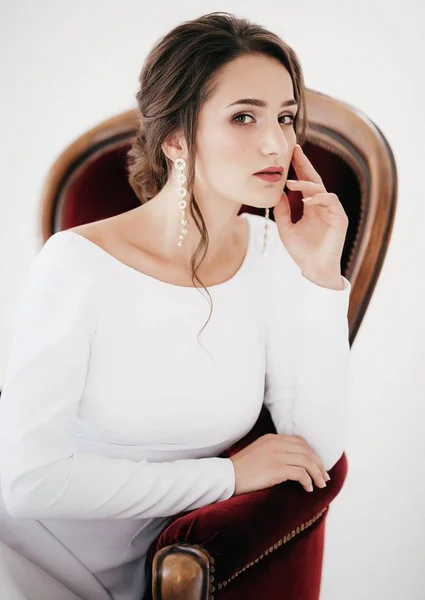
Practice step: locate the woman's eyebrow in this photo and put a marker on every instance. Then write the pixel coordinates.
(262, 103)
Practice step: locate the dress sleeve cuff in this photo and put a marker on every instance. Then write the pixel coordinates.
(230, 474)
(322, 301)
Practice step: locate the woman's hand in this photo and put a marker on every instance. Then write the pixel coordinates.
(316, 241)
(274, 458)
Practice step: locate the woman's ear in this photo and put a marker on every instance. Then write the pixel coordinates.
(175, 146)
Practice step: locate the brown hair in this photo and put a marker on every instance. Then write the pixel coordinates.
(178, 76)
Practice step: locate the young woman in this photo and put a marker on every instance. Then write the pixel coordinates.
(126, 379)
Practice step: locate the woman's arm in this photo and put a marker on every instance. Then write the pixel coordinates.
(42, 474)
(307, 386)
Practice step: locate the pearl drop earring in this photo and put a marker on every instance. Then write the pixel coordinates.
(266, 228)
(180, 164)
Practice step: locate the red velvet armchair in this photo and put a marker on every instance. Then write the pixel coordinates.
(267, 544)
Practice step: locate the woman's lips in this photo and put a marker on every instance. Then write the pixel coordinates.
(269, 176)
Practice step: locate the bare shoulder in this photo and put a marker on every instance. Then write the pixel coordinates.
(106, 233)
(97, 232)
(121, 236)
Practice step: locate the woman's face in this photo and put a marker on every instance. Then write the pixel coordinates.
(234, 142)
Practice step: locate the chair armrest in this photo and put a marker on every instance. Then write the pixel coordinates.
(242, 529)
(181, 571)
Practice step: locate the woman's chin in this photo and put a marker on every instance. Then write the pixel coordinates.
(266, 201)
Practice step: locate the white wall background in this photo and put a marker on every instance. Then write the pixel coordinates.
(67, 66)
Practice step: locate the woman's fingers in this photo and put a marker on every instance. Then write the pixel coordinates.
(312, 468)
(297, 445)
(330, 202)
(301, 475)
(307, 188)
(303, 167)
(323, 471)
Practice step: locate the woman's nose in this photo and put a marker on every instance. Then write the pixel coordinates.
(274, 141)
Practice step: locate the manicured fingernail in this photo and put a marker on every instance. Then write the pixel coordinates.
(298, 146)
(327, 478)
(310, 488)
(291, 181)
(307, 199)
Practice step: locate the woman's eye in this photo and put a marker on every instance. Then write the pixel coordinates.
(291, 117)
(241, 116)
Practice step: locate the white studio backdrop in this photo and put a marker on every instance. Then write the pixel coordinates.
(67, 66)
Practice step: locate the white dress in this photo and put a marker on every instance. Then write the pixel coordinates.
(113, 416)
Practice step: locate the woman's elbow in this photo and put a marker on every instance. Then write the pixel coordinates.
(17, 503)
(22, 500)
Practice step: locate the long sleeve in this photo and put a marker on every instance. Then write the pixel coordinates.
(42, 474)
(307, 386)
